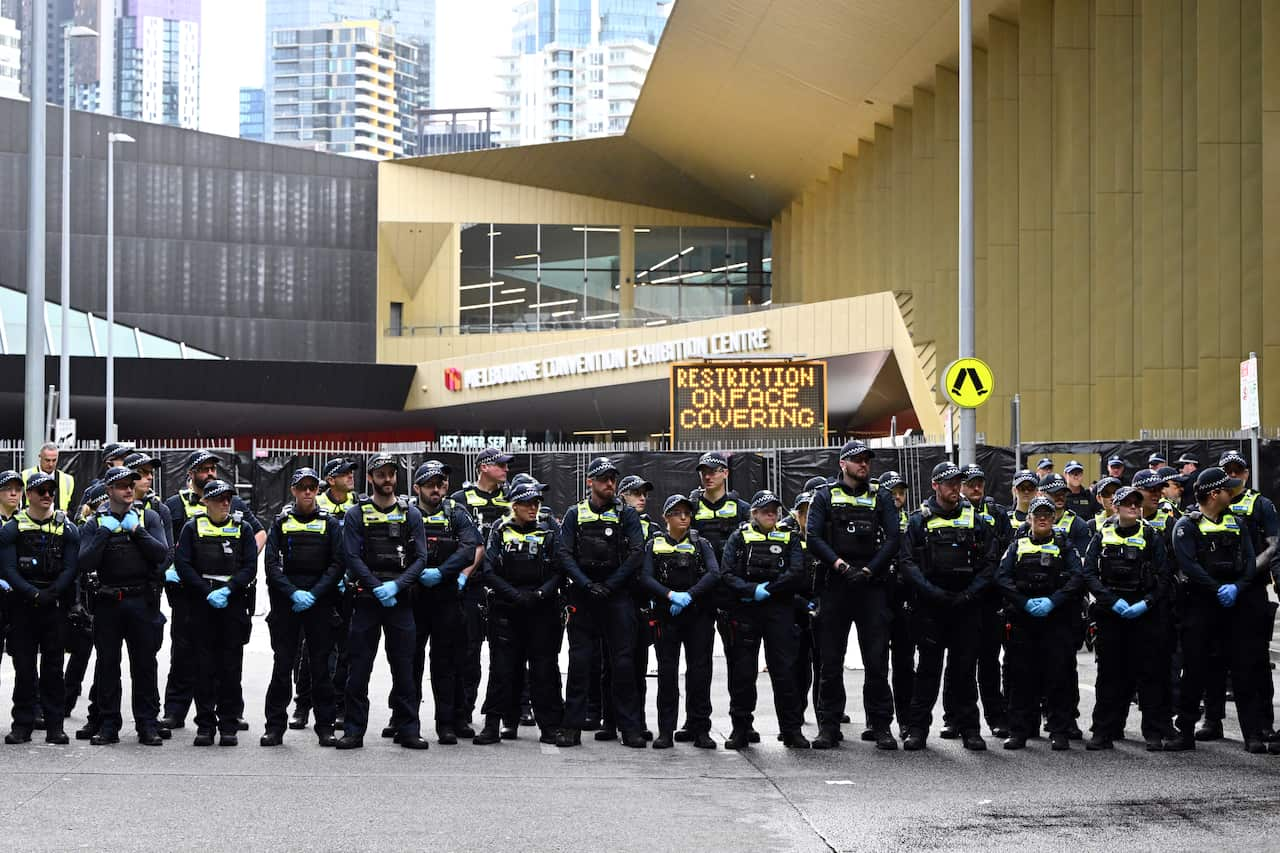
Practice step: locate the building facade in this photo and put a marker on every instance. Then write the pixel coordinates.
(10, 59)
(345, 88)
(158, 62)
(253, 115)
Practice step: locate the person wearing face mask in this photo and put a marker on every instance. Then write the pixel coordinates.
(39, 551)
(853, 528)
(1126, 570)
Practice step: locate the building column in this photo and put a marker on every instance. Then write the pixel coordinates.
(626, 272)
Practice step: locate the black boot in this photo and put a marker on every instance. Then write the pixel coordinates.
(738, 739)
(299, 719)
(569, 737)
(445, 735)
(271, 739)
(488, 735)
(828, 738)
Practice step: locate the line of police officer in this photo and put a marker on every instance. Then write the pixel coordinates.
(955, 580)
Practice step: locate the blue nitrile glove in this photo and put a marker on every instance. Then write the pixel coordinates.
(130, 522)
(761, 593)
(1039, 606)
(109, 522)
(302, 599)
(1135, 610)
(1120, 606)
(342, 586)
(1047, 607)
(684, 599)
(218, 598)
(171, 575)
(676, 607)
(430, 577)
(386, 590)
(462, 581)
(4, 584)
(389, 602)
(1227, 594)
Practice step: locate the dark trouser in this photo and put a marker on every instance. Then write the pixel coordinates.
(288, 629)
(595, 686)
(808, 660)
(180, 684)
(302, 697)
(1132, 654)
(79, 645)
(902, 652)
(1038, 657)
(1233, 633)
(1215, 688)
(437, 617)
(517, 635)
(369, 622)
(614, 620)
(339, 622)
(218, 637)
(694, 630)
(774, 625)
(640, 657)
(467, 685)
(866, 605)
(992, 682)
(134, 621)
(951, 630)
(36, 631)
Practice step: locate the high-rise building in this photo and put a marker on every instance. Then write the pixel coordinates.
(576, 68)
(10, 59)
(93, 59)
(347, 88)
(158, 61)
(414, 22)
(450, 131)
(253, 114)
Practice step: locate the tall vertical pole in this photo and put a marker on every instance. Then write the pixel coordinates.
(968, 417)
(64, 348)
(109, 432)
(33, 403)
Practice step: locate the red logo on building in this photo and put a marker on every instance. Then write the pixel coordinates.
(453, 379)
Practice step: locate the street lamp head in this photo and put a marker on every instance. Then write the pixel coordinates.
(76, 32)
(120, 137)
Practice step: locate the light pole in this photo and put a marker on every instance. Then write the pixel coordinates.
(69, 33)
(968, 417)
(33, 427)
(112, 139)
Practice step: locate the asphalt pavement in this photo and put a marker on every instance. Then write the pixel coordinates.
(521, 795)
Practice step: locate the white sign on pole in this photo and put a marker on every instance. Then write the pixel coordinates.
(64, 433)
(1250, 417)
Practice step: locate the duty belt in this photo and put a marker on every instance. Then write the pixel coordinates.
(224, 579)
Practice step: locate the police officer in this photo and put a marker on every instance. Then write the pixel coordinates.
(763, 568)
(1116, 467)
(123, 553)
(217, 560)
(486, 500)
(524, 564)
(10, 494)
(1125, 568)
(1066, 522)
(1172, 495)
(337, 496)
(605, 549)
(451, 539)
(991, 681)
(680, 571)
(303, 564)
(634, 491)
(853, 528)
(385, 550)
(1025, 484)
(1155, 511)
(808, 662)
(1041, 579)
(39, 551)
(1216, 558)
(1044, 467)
(63, 483)
(1080, 500)
(1156, 461)
(1104, 490)
(187, 505)
(902, 596)
(947, 556)
(511, 724)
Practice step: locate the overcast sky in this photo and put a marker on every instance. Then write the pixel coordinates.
(469, 35)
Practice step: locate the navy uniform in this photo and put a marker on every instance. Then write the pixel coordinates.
(604, 551)
(38, 559)
(1216, 562)
(524, 565)
(179, 687)
(123, 572)
(902, 640)
(676, 571)
(1041, 581)
(947, 555)
(385, 550)
(762, 571)
(303, 562)
(1126, 570)
(451, 539)
(808, 662)
(646, 623)
(992, 684)
(217, 562)
(1082, 504)
(487, 508)
(856, 526)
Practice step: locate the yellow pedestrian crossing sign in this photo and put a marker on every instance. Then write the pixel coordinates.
(967, 382)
